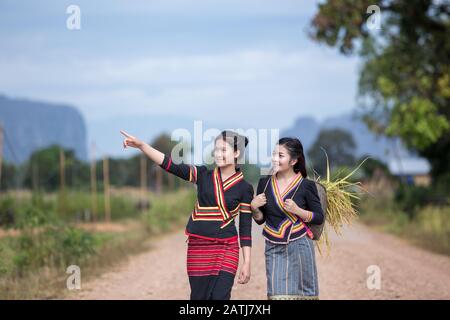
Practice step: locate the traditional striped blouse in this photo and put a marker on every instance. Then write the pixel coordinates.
(282, 226)
(219, 202)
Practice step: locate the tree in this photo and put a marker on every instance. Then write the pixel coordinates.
(404, 85)
(339, 146)
(43, 169)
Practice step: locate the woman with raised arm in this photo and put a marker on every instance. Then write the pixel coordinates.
(286, 202)
(222, 195)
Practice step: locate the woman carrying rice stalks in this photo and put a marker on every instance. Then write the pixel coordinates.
(294, 209)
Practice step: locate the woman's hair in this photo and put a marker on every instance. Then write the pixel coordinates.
(234, 139)
(295, 149)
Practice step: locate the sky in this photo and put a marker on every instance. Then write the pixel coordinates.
(225, 61)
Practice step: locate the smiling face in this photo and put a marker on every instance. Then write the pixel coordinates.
(281, 160)
(224, 153)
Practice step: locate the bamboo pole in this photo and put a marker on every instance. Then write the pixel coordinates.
(106, 189)
(159, 176)
(143, 174)
(1, 152)
(62, 171)
(93, 184)
(35, 176)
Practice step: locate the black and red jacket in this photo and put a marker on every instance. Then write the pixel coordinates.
(218, 202)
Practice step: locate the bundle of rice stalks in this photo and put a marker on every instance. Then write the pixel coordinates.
(341, 209)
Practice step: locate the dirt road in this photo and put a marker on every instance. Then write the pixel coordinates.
(407, 272)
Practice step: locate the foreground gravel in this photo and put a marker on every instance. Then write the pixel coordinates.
(407, 272)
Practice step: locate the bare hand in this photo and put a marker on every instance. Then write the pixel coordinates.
(131, 141)
(291, 206)
(244, 274)
(258, 201)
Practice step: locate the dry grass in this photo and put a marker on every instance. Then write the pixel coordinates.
(341, 210)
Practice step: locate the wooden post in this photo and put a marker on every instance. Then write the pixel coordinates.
(62, 181)
(106, 189)
(93, 184)
(159, 176)
(1, 152)
(171, 181)
(143, 178)
(62, 170)
(35, 176)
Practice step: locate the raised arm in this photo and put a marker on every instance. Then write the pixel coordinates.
(131, 141)
(184, 171)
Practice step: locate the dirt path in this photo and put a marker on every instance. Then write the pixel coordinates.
(407, 272)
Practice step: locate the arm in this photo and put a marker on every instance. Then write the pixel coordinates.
(245, 233)
(258, 216)
(131, 141)
(315, 214)
(258, 202)
(313, 203)
(245, 273)
(245, 218)
(184, 171)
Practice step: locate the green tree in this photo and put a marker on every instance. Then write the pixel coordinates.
(404, 85)
(43, 170)
(9, 178)
(339, 146)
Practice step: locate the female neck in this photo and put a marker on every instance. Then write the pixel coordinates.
(286, 174)
(228, 170)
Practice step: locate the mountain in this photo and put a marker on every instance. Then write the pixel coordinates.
(367, 143)
(31, 125)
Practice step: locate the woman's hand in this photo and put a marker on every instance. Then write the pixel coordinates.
(131, 141)
(258, 201)
(244, 274)
(291, 206)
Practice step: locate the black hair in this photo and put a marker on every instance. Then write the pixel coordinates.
(295, 149)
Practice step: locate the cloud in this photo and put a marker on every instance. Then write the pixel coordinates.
(285, 81)
(248, 62)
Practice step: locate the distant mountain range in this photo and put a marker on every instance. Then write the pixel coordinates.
(367, 143)
(31, 125)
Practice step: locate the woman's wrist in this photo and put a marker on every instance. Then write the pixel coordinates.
(302, 212)
(142, 146)
(257, 214)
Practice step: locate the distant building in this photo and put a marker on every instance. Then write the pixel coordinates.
(413, 171)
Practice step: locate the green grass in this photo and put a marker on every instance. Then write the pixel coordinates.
(33, 263)
(74, 206)
(428, 228)
(165, 212)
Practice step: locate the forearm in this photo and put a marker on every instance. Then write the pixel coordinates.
(247, 251)
(154, 155)
(258, 216)
(305, 215)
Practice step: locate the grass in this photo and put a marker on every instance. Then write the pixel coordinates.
(73, 206)
(429, 228)
(33, 263)
(341, 195)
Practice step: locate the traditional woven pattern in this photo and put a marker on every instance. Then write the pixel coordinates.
(207, 257)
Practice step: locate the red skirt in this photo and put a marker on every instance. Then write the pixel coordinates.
(207, 257)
